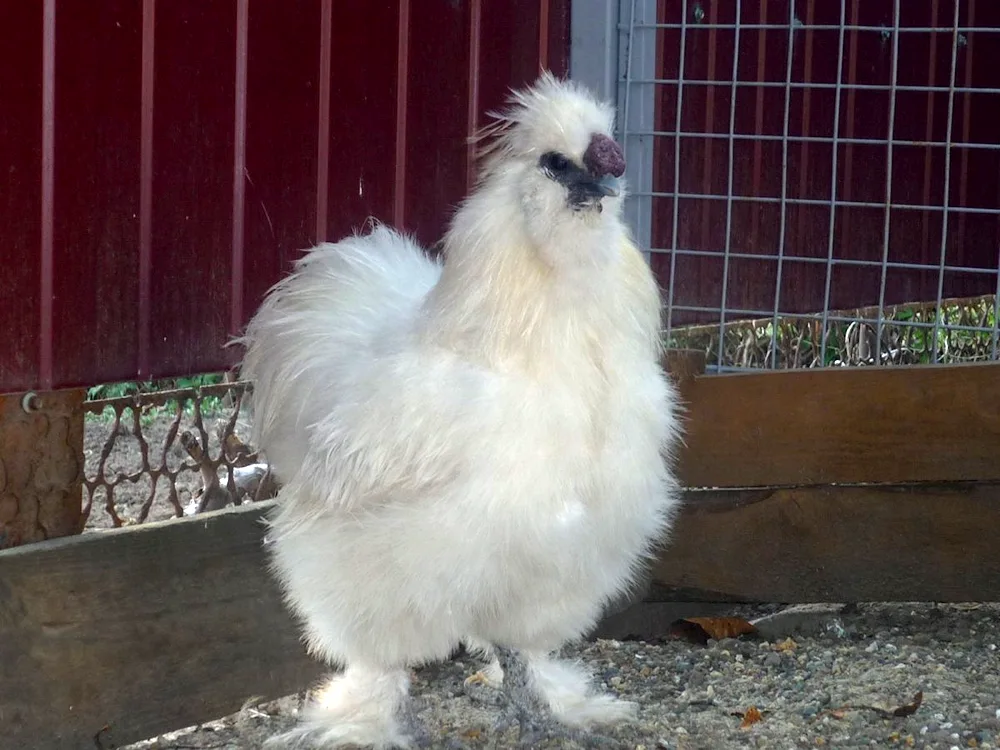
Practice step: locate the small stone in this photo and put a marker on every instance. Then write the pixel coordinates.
(772, 660)
(872, 647)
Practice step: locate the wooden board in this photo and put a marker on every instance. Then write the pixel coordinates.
(143, 630)
(851, 425)
(837, 544)
(161, 626)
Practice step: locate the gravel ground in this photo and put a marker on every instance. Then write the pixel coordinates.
(834, 682)
(826, 678)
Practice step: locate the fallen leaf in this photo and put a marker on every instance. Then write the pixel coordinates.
(910, 708)
(786, 645)
(700, 629)
(750, 717)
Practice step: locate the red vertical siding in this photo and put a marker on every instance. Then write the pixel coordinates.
(436, 119)
(174, 157)
(96, 201)
(362, 114)
(20, 191)
(282, 195)
(193, 149)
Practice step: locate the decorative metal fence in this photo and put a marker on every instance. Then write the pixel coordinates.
(163, 454)
(818, 183)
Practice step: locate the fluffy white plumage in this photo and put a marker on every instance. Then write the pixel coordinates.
(475, 451)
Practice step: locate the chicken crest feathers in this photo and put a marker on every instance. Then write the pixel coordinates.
(547, 115)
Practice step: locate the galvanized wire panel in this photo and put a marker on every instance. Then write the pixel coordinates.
(820, 172)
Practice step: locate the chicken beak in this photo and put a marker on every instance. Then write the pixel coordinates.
(589, 190)
(608, 186)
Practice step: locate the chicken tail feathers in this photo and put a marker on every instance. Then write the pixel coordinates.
(303, 344)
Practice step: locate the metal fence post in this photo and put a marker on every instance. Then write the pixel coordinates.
(618, 61)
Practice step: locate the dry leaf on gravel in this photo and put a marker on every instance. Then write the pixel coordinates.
(908, 709)
(701, 629)
(750, 717)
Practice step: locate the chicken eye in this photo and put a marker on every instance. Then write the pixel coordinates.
(554, 163)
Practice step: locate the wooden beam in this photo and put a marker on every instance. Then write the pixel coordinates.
(159, 626)
(836, 544)
(141, 630)
(850, 425)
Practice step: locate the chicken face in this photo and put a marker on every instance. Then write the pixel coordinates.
(587, 184)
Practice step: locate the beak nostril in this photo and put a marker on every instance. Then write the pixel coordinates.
(604, 157)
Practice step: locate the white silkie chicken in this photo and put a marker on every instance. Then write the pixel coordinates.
(476, 451)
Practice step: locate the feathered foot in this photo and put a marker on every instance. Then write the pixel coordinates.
(360, 707)
(552, 701)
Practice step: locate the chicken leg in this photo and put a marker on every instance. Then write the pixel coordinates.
(521, 703)
(362, 706)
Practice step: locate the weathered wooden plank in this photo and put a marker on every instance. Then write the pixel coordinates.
(142, 630)
(836, 544)
(851, 425)
(164, 625)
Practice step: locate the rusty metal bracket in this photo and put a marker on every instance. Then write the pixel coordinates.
(41, 465)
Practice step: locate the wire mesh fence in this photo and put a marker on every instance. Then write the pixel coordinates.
(823, 179)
